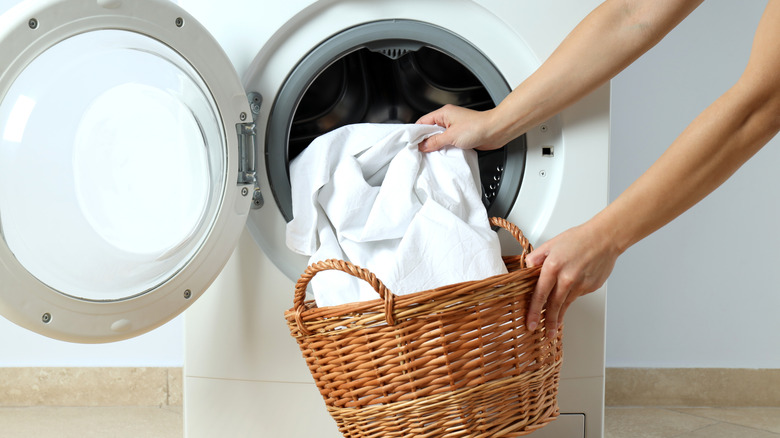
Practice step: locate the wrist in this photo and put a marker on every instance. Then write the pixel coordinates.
(615, 236)
(513, 117)
(499, 128)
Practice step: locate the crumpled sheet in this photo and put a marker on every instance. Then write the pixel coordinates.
(365, 193)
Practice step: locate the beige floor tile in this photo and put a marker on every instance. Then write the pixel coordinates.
(725, 387)
(102, 422)
(84, 386)
(725, 430)
(175, 387)
(650, 423)
(154, 422)
(767, 419)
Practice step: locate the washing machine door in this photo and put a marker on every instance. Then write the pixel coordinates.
(124, 181)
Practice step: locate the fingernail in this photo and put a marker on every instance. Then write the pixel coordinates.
(532, 326)
(553, 334)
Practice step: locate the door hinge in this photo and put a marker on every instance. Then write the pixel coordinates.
(246, 153)
(247, 174)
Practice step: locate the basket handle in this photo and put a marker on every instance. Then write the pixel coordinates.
(370, 278)
(517, 234)
(349, 268)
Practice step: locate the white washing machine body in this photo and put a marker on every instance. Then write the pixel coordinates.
(243, 373)
(86, 257)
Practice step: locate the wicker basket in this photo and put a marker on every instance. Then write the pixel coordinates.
(457, 361)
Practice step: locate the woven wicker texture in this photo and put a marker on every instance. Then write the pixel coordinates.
(456, 361)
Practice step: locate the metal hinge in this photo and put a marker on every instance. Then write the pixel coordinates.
(247, 146)
(247, 174)
(246, 153)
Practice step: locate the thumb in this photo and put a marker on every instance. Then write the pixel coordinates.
(537, 257)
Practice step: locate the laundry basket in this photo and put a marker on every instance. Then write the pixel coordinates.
(456, 361)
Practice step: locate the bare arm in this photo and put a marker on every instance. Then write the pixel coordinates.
(604, 43)
(708, 152)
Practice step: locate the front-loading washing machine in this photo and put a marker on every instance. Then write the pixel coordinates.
(134, 162)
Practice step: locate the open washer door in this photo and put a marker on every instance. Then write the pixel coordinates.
(124, 181)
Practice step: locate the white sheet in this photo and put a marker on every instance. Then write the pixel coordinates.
(366, 194)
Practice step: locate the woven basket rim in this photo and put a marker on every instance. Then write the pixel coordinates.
(450, 292)
(387, 302)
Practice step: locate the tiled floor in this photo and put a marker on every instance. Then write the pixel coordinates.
(135, 422)
(102, 422)
(692, 423)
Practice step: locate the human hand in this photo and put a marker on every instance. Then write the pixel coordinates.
(574, 263)
(464, 129)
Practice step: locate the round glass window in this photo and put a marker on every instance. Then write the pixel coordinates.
(112, 161)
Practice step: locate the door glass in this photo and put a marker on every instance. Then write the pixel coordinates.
(112, 159)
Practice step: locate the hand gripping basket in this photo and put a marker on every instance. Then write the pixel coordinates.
(457, 361)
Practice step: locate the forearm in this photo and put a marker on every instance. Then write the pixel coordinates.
(707, 153)
(711, 148)
(603, 44)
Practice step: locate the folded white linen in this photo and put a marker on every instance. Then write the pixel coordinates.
(366, 194)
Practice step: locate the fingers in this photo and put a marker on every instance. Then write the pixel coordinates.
(428, 119)
(433, 143)
(438, 117)
(552, 293)
(553, 317)
(544, 287)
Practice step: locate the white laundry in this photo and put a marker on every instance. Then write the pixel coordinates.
(366, 194)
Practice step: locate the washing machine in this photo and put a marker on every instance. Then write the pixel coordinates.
(144, 151)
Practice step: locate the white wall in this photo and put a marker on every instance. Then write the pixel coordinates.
(703, 291)
(163, 347)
